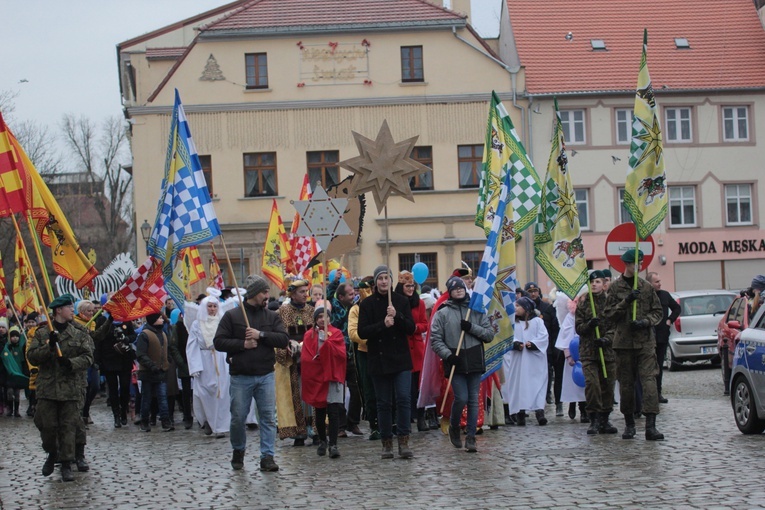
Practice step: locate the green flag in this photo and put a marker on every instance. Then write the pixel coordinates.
(558, 246)
(645, 194)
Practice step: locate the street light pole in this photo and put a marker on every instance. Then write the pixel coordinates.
(145, 233)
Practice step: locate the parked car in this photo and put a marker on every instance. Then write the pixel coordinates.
(729, 329)
(694, 337)
(748, 377)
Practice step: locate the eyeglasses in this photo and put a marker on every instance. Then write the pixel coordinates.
(408, 286)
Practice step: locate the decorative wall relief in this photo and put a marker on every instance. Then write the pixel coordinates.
(334, 63)
(212, 70)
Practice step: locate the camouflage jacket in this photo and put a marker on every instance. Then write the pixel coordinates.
(55, 382)
(618, 314)
(587, 349)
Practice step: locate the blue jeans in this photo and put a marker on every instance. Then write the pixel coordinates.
(465, 388)
(159, 391)
(242, 390)
(385, 386)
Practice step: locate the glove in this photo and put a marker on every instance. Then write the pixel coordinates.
(639, 324)
(602, 342)
(465, 325)
(452, 359)
(593, 323)
(532, 347)
(518, 346)
(156, 370)
(64, 363)
(632, 296)
(53, 340)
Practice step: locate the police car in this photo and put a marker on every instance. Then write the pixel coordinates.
(748, 377)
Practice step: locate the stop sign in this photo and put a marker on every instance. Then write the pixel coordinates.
(621, 239)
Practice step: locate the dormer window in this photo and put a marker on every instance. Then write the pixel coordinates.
(598, 44)
(681, 43)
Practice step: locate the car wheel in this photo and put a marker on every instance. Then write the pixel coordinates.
(674, 364)
(745, 409)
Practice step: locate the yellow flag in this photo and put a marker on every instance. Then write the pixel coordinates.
(276, 253)
(196, 266)
(3, 292)
(24, 297)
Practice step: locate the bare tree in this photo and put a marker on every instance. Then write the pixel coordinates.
(8, 102)
(99, 151)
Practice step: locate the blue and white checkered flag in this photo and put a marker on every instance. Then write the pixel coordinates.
(485, 285)
(185, 215)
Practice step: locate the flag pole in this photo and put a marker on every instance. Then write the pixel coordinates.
(34, 280)
(236, 285)
(451, 372)
(40, 257)
(324, 293)
(597, 329)
(637, 271)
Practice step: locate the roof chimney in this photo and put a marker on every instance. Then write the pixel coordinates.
(460, 6)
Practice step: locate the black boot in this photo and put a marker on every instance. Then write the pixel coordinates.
(508, 420)
(145, 425)
(584, 417)
(540, 414)
(455, 437)
(123, 416)
(50, 462)
(629, 426)
(237, 460)
(422, 424)
(520, 419)
(431, 417)
(594, 424)
(117, 421)
(651, 434)
(79, 458)
(66, 472)
(605, 425)
(16, 409)
(572, 410)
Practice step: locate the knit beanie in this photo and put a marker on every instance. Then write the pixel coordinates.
(255, 285)
(380, 270)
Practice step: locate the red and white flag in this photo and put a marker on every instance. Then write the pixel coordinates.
(142, 294)
(304, 249)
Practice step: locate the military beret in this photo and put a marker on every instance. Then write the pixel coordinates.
(63, 300)
(629, 256)
(530, 285)
(596, 274)
(606, 273)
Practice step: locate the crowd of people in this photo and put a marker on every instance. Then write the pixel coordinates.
(311, 368)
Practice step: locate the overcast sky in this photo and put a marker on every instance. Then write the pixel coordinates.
(60, 57)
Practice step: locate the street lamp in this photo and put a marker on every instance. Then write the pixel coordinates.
(145, 233)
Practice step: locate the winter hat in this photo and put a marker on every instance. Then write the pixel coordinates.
(758, 283)
(152, 318)
(255, 285)
(525, 303)
(174, 316)
(3, 322)
(380, 270)
(31, 316)
(14, 331)
(317, 312)
(530, 286)
(454, 283)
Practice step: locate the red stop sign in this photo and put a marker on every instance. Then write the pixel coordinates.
(621, 239)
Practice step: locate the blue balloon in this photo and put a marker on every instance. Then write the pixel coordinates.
(578, 374)
(573, 348)
(333, 274)
(420, 272)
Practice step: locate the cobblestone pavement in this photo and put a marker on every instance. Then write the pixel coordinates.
(519, 467)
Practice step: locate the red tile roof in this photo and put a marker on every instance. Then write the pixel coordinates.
(170, 53)
(282, 15)
(727, 44)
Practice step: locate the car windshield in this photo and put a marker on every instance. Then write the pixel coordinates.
(705, 305)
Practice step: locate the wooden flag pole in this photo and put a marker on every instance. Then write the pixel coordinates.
(451, 372)
(34, 281)
(40, 257)
(236, 285)
(324, 293)
(597, 329)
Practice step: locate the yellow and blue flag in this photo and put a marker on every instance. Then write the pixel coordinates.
(185, 215)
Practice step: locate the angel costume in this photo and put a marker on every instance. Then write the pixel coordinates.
(210, 383)
(525, 385)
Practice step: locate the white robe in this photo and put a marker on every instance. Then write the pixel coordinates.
(525, 385)
(570, 392)
(212, 402)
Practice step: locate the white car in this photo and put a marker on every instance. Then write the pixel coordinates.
(748, 377)
(694, 335)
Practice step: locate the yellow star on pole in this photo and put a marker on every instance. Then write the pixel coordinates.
(652, 137)
(566, 203)
(383, 167)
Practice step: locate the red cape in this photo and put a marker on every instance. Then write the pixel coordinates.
(329, 366)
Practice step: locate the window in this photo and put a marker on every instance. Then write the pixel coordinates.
(572, 122)
(411, 64)
(260, 174)
(423, 181)
(598, 44)
(582, 207)
(407, 260)
(206, 162)
(624, 126)
(624, 213)
(682, 206)
(470, 164)
(322, 167)
(473, 260)
(241, 269)
(735, 123)
(678, 125)
(256, 69)
(738, 202)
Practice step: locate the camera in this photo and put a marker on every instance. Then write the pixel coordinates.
(748, 292)
(122, 344)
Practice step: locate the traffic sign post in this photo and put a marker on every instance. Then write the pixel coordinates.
(621, 239)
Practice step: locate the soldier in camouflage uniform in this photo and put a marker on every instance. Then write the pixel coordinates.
(59, 383)
(635, 343)
(598, 390)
